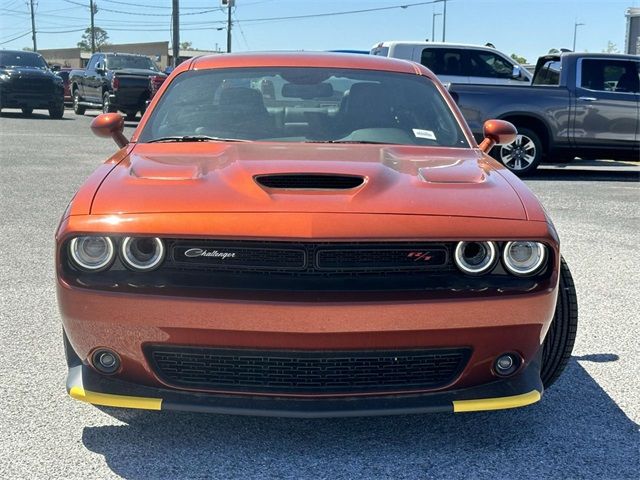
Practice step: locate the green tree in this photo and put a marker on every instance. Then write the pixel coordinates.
(553, 51)
(186, 45)
(611, 48)
(518, 58)
(101, 39)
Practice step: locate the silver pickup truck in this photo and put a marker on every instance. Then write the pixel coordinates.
(579, 105)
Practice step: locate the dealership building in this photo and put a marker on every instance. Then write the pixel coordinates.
(157, 51)
(632, 39)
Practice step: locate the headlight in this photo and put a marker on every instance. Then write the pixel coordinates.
(142, 253)
(475, 258)
(92, 253)
(4, 77)
(524, 258)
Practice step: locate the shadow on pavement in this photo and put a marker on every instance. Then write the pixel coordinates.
(34, 116)
(577, 431)
(593, 175)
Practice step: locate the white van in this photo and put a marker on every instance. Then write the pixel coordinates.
(458, 63)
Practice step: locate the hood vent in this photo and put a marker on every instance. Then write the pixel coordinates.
(309, 181)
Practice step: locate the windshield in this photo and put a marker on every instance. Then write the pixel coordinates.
(118, 62)
(305, 105)
(21, 59)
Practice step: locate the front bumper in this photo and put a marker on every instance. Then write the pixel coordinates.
(524, 389)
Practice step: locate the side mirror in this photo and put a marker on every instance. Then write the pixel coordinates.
(55, 68)
(99, 67)
(517, 71)
(497, 132)
(110, 125)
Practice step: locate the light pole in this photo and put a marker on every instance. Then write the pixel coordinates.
(433, 26)
(444, 21)
(575, 32)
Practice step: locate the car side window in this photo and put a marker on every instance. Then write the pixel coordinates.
(92, 62)
(443, 61)
(549, 73)
(610, 75)
(486, 64)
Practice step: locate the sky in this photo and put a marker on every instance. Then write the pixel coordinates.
(528, 28)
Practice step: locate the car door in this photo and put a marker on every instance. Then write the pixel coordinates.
(94, 79)
(606, 104)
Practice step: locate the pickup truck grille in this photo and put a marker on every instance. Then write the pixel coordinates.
(28, 85)
(306, 372)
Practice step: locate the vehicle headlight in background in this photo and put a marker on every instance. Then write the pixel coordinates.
(142, 253)
(475, 257)
(524, 258)
(92, 253)
(4, 77)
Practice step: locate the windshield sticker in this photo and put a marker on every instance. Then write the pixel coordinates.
(428, 134)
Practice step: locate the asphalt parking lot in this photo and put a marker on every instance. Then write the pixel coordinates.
(585, 427)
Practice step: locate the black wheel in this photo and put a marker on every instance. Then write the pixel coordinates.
(106, 103)
(523, 155)
(57, 112)
(27, 111)
(558, 345)
(131, 115)
(77, 108)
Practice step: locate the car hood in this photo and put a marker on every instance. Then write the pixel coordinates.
(221, 177)
(27, 72)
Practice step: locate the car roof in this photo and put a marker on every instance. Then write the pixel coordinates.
(432, 44)
(303, 59)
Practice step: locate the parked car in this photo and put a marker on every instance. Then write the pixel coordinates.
(305, 256)
(459, 63)
(113, 82)
(63, 73)
(580, 104)
(26, 82)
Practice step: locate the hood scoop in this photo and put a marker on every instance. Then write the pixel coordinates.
(309, 181)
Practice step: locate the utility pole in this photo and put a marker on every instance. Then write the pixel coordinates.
(92, 6)
(444, 21)
(176, 33)
(433, 26)
(575, 32)
(229, 5)
(33, 27)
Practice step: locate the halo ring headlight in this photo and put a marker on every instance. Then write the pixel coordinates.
(142, 254)
(524, 258)
(92, 253)
(475, 258)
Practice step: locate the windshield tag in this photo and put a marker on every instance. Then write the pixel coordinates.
(428, 134)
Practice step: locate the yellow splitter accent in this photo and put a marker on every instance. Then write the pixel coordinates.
(498, 403)
(110, 400)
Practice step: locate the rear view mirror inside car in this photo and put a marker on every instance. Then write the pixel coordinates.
(318, 90)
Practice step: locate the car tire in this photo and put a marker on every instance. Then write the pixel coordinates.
(523, 156)
(27, 111)
(56, 112)
(77, 108)
(106, 104)
(131, 115)
(558, 344)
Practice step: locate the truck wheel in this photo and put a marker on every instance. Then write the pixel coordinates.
(57, 112)
(131, 115)
(106, 104)
(523, 155)
(77, 108)
(558, 345)
(27, 111)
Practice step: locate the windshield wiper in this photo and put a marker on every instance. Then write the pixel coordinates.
(195, 138)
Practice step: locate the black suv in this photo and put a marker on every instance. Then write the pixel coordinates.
(26, 82)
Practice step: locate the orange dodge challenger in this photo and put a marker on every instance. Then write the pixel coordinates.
(309, 234)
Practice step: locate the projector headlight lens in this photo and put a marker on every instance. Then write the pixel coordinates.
(475, 258)
(92, 253)
(142, 253)
(524, 258)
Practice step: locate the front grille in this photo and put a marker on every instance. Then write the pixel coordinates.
(308, 258)
(26, 85)
(298, 372)
(310, 181)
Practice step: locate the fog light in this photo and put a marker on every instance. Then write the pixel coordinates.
(506, 364)
(106, 361)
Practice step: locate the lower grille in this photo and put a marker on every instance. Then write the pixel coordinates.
(295, 372)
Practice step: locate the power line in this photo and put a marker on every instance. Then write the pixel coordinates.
(144, 14)
(16, 38)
